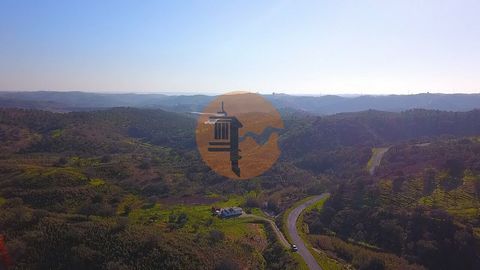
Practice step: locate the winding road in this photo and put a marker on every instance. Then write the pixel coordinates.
(296, 239)
(292, 231)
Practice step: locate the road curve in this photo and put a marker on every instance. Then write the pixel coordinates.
(296, 239)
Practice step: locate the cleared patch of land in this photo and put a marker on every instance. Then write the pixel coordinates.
(377, 155)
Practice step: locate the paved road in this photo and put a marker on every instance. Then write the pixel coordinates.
(377, 158)
(296, 239)
(276, 230)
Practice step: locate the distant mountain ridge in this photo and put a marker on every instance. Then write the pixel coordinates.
(321, 105)
(391, 103)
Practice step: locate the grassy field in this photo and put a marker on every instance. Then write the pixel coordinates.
(197, 218)
(57, 133)
(375, 152)
(96, 182)
(460, 202)
(356, 255)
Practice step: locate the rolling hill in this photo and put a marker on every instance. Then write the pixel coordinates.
(115, 176)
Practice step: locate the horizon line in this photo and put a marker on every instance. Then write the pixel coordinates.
(216, 93)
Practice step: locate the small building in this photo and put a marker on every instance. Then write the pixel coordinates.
(231, 212)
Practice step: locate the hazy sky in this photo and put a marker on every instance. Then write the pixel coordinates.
(309, 47)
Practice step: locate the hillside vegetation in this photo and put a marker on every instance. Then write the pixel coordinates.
(125, 188)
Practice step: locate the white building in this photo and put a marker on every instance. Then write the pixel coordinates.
(231, 212)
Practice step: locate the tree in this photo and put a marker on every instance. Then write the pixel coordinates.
(397, 184)
(429, 181)
(227, 264)
(374, 264)
(216, 236)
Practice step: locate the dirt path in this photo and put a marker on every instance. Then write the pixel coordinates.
(277, 231)
(377, 158)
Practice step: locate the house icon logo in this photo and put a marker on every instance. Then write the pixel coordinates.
(226, 137)
(237, 135)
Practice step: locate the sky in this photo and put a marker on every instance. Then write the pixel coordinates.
(296, 47)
